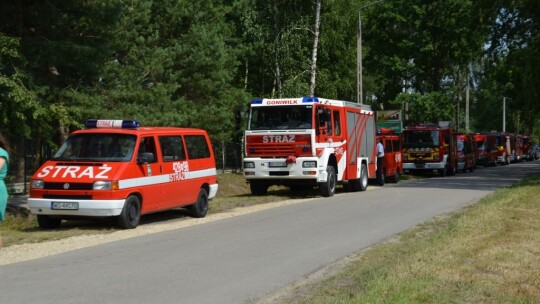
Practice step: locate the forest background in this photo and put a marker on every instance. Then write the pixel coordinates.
(199, 63)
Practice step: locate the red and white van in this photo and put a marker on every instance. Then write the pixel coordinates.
(116, 168)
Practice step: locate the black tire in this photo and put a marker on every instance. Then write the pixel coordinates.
(258, 188)
(200, 208)
(363, 178)
(47, 222)
(395, 178)
(452, 171)
(328, 188)
(442, 172)
(131, 213)
(361, 184)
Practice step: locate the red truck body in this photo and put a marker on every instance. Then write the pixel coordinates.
(430, 148)
(466, 152)
(393, 164)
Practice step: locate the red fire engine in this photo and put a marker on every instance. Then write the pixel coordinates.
(309, 141)
(466, 152)
(487, 152)
(392, 165)
(430, 148)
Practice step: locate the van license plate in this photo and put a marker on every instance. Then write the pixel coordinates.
(65, 205)
(277, 164)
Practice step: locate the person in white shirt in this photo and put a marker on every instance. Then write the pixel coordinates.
(380, 159)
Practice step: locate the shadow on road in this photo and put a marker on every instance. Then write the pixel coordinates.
(489, 178)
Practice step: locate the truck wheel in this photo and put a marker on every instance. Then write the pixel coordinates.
(131, 213)
(442, 172)
(363, 178)
(395, 178)
(47, 222)
(328, 188)
(258, 188)
(360, 184)
(200, 208)
(452, 171)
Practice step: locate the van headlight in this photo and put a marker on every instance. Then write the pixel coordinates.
(249, 165)
(37, 184)
(105, 185)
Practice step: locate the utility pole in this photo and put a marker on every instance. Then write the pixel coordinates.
(359, 59)
(504, 115)
(467, 92)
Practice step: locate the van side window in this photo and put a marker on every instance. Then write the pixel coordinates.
(197, 146)
(172, 148)
(147, 150)
(388, 146)
(395, 143)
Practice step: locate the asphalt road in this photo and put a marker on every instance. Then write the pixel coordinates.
(245, 258)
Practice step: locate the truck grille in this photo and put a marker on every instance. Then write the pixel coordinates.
(270, 150)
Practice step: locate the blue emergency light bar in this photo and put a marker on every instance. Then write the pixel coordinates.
(256, 101)
(110, 123)
(310, 99)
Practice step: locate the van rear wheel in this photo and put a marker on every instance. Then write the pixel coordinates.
(131, 213)
(47, 222)
(200, 208)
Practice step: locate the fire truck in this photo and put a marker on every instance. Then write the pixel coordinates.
(307, 142)
(430, 148)
(466, 152)
(392, 164)
(487, 151)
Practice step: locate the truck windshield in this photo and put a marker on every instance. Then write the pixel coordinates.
(281, 118)
(481, 144)
(421, 139)
(97, 147)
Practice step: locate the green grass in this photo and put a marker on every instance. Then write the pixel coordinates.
(487, 253)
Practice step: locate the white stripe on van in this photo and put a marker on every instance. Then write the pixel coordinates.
(163, 178)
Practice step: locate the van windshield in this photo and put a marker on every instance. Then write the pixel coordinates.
(97, 147)
(281, 118)
(421, 139)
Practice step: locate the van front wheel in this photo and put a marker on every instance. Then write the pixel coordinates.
(131, 213)
(47, 222)
(200, 208)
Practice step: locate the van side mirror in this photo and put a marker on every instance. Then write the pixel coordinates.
(145, 157)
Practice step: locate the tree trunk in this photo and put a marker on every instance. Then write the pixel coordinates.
(314, 51)
(277, 79)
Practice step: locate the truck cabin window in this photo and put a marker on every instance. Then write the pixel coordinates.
(281, 118)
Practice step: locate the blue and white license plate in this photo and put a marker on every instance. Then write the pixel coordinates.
(277, 164)
(65, 205)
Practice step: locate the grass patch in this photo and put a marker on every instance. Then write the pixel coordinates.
(487, 253)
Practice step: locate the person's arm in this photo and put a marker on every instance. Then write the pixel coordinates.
(2, 162)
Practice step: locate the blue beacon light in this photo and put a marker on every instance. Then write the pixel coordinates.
(108, 123)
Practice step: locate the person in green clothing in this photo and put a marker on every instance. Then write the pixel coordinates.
(4, 167)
